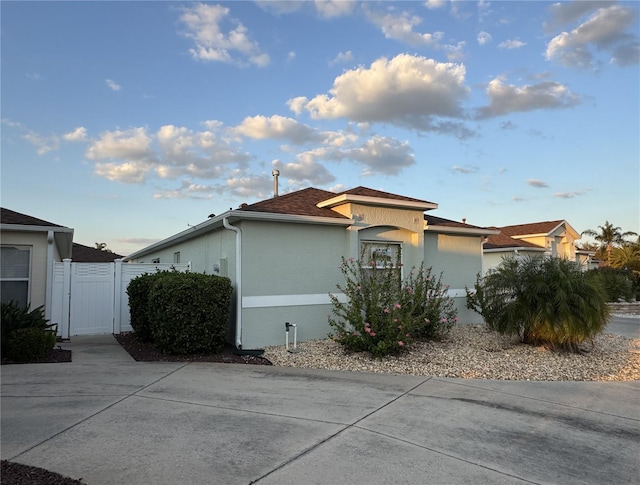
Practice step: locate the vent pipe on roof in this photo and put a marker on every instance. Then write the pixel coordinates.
(275, 174)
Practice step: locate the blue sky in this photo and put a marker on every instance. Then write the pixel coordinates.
(130, 120)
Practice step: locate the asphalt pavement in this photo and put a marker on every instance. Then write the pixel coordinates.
(110, 420)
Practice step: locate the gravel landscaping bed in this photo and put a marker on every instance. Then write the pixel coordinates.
(475, 352)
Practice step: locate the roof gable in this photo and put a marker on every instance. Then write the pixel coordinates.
(367, 192)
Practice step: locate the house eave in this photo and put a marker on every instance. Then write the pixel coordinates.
(233, 216)
(460, 230)
(511, 249)
(63, 236)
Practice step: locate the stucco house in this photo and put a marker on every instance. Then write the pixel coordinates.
(28, 249)
(548, 238)
(283, 254)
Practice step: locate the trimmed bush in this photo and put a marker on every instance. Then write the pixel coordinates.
(29, 344)
(189, 312)
(383, 315)
(543, 300)
(138, 292)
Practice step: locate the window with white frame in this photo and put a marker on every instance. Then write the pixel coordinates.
(378, 257)
(15, 274)
(176, 257)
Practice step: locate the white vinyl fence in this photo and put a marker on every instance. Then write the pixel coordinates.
(91, 298)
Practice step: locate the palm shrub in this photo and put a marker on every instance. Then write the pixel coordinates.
(28, 326)
(617, 284)
(383, 315)
(542, 300)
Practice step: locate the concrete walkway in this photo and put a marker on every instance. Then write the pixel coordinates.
(110, 420)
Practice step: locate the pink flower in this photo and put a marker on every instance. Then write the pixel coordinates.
(386, 310)
(397, 305)
(373, 334)
(426, 320)
(456, 319)
(400, 343)
(443, 320)
(399, 327)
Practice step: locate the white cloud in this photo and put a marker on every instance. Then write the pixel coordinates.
(213, 43)
(45, 144)
(132, 144)
(603, 31)
(511, 44)
(187, 190)
(276, 127)
(305, 170)
(434, 4)
(127, 172)
(248, 185)
(342, 57)
(540, 184)
(334, 8)
(484, 38)
(570, 195)
(465, 169)
(406, 90)
(567, 12)
(112, 85)
(507, 98)
(79, 134)
(399, 26)
(278, 7)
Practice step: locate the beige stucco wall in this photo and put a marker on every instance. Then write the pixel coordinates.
(38, 279)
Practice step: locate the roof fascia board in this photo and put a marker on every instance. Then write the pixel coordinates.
(277, 217)
(379, 201)
(28, 228)
(513, 248)
(460, 230)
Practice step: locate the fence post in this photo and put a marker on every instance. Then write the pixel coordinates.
(65, 325)
(117, 300)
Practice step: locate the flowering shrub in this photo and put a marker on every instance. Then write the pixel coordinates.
(383, 315)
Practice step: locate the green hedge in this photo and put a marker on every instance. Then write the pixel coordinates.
(188, 312)
(138, 291)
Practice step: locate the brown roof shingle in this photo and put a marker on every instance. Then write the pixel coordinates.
(85, 254)
(502, 240)
(531, 228)
(8, 216)
(302, 202)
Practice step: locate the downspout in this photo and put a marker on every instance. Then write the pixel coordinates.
(49, 280)
(227, 225)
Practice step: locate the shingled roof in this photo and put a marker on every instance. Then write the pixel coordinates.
(302, 203)
(503, 241)
(529, 229)
(8, 216)
(305, 202)
(86, 254)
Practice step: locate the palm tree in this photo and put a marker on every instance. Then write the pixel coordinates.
(609, 237)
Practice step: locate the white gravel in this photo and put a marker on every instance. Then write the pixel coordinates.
(475, 352)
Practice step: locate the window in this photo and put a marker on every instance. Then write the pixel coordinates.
(176, 257)
(15, 274)
(379, 257)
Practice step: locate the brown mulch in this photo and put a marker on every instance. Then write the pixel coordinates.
(17, 474)
(54, 356)
(146, 352)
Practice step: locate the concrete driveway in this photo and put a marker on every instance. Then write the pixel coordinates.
(110, 420)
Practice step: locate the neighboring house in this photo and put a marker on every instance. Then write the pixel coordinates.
(549, 238)
(283, 254)
(86, 254)
(28, 249)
